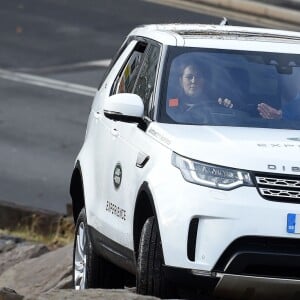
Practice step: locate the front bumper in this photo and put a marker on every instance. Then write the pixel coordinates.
(252, 287)
(232, 286)
(197, 224)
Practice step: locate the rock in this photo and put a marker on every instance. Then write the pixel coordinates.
(49, 276)
(7, 242)
(19, 253)
(9, 294)
(66, 283)
(6, 245)
(91, 294)
(38, 275)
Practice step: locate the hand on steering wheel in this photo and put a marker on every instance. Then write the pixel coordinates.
(225, 102)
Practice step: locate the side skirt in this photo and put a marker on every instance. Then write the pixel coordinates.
(112, 251)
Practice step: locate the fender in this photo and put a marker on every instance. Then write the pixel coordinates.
(77, 191)
(144, 209)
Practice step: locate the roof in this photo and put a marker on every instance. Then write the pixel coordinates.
(166, 33)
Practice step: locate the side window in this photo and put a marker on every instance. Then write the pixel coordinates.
(125, 80)
(145, 82)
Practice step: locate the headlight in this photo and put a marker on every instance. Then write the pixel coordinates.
(210, 175)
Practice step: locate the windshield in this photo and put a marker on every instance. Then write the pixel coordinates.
(231, 88)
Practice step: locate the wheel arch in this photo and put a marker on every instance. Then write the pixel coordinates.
(144, 209)
(77, 191)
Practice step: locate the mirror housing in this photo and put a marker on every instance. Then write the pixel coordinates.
(124, 107)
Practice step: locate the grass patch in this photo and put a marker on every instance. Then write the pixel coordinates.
(60, 236)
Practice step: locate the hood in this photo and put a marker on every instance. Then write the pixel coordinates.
(257, 149)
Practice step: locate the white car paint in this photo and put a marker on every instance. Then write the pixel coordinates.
(229, 214)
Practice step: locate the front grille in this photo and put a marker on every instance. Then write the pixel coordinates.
(279, 187)
(282, 182)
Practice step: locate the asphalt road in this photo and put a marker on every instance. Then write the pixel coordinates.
(42, 128)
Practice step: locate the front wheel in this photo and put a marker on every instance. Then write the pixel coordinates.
(150, 279)
(89, 269)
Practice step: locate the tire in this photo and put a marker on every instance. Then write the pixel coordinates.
(89, 269)
(150, 278)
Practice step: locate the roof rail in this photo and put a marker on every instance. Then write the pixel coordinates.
(224, 21)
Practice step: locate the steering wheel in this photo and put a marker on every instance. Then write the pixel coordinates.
(207, 112)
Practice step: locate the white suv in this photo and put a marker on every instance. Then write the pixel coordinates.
(189, 172)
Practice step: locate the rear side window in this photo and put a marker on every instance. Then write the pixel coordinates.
(125, 80)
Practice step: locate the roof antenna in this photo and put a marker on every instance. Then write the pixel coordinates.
(224, 21)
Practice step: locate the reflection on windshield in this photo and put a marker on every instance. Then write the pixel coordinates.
(232, 88)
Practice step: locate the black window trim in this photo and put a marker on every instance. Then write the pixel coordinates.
(152, 102)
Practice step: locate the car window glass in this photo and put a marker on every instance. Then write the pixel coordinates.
(145, 83)
(124, 83)
(262, 88)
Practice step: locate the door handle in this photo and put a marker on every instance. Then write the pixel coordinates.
(115, 132)
(97, 114)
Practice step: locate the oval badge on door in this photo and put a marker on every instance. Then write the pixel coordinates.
(117, 175)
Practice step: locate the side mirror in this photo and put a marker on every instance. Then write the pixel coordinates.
(124, 107)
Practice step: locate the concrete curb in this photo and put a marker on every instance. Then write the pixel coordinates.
(255, 8)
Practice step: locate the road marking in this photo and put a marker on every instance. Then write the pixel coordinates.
(104, 63)
(48, 83)
(96, 63)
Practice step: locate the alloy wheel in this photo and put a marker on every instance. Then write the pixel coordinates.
(80, 258)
